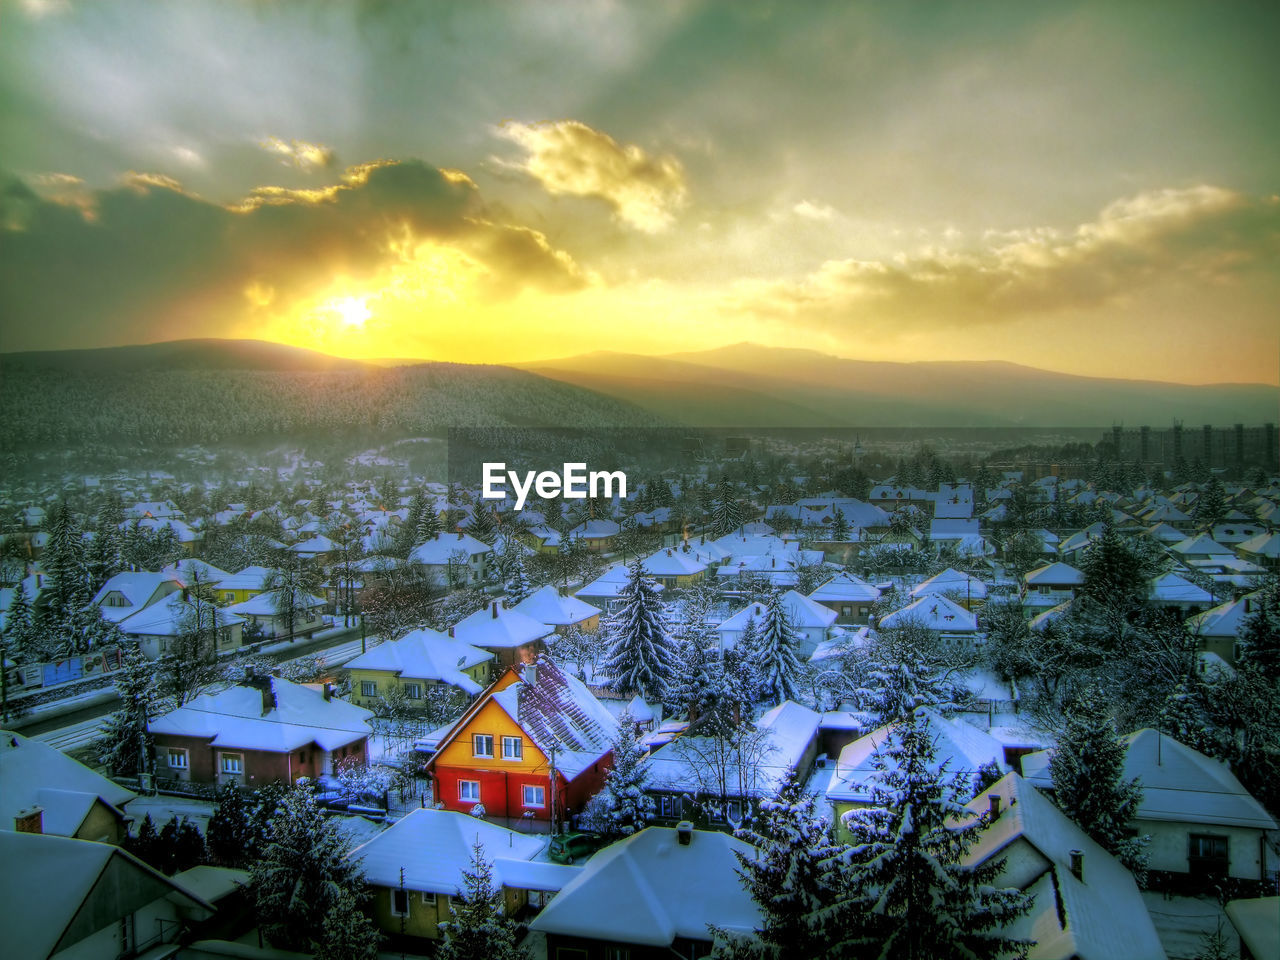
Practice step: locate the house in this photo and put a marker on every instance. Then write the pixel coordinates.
(264, 730)
(674, 567)
(42, 790)
(263, 612)
(457, 558)
(852, 598)
(415, 663)
(415, 869)
(1217, 630)
(937, 614)
(247, 583)
(1204, 548)
(1085, 904)
(186, 535)
(596, 535)
(964, 589)
(608, 587)
(1203, 824)
(1172, 592)
(961, 746)
(508, 634)
(651, 895)
(1264, 550)
(549, 606)
(1051, 585)
(191, 569)
(62, 898)
(157, 627)
(810, 618)
(535, 746)
(707, 779)
(126, 593)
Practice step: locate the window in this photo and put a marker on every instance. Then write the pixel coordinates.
(368, 688)
(667, 807)
(1207, 854)
(512, 748)
(535, 796)
(115, 600)
(469, 790)
(399, 903)
(413, 691)
(617, 953)
(233, 763)
(177, 759)
(428, 898)
(482, 745)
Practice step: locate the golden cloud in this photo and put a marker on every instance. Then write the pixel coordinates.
(1204, 233)
(299, 153)
(570, 158)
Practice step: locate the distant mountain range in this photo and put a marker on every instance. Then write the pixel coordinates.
(195, 390)
(750, 385)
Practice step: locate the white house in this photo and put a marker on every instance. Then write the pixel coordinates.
(808, 617)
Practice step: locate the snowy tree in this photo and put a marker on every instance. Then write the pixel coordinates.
(624, 806)
(290, 586)
(641, 651)
(726, 512)
(517, 584)
(839, 526)
(479, 930)
(793, 877)
(1211, 505)
(301, 872)
(1115, 575)
(909, 895)
(126, 745)
(20, 636)
(482, 525)
(776, 653)
(1260, 632)
(230, 831)
(190, 666)
(66, 589)
(1087, 770)
(347, 933)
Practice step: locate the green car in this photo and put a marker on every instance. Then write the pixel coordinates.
(568, 847)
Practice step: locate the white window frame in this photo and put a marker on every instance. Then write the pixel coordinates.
(368, 688)
(512, 748)
(178, 754)
(463, 792)
(477, 740)
(538, 791)
(226, 767)
(428, 898)
(413, 691)
(399, 913)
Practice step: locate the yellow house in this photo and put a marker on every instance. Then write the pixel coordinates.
(242, 586)
(415, 663)
(675, 567)
(547, 605)
(415, 869)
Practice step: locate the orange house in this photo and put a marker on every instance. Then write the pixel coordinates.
(535, 742)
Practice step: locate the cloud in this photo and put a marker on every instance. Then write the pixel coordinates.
(1204, 234)
(156, 262)
(807, 210)
(570, 158)
(299, 153)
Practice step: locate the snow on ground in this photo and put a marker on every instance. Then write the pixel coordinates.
(162, 809)
(1181, 922)
(358, 830)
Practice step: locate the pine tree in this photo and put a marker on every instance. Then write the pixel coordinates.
(126, 745)
(624, 805)
(1087, 770)
(517, 584)
(429, 525)
(479, 930)
(641, 652)
(66, 586)
(839, 526)
(302, 872)
(1211, 505)
(20, 630)
(776, 653)
(1260, 632)
(347, 934)
(794, 878)
(726, 512)
(1114, 574)
(910, 896)
(230, 831)
(482, 526)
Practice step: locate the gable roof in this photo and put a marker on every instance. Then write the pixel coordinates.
(496, 626)
(951, 581)
(846, 587)
(1056, 574)
(934, 613)
(137, 587)
(33, 773)
(439, 549)
(425, 654)
(547, 605)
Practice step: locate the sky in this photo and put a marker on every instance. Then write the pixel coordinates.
(1084, 187)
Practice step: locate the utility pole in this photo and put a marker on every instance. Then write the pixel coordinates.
(553, 789)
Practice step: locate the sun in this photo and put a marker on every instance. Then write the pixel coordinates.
(350, 311)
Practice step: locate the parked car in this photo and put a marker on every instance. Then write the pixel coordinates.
(569, 847)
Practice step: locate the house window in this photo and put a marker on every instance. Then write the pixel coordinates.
(512, 748)
(617, 953)
(177, 759)
(428, 898)
(482, 745)
(399, 903)
(233, 764)
(1207, 854)
(368, 688)
(535, 796)
(667, 808)
(413, 691)
(115, 600)
(469, 790)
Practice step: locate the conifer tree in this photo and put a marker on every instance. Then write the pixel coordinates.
(516, 584)
(230, 831)
(777, 653)
(347, 934)
(66, 586)
(624, 806)
(20, 630)
(839, 526)
(1260, 632)
(482, 526)
(1087, 770)
(1114, 575)
(126, 745)
(641, 652)
(726, 513)
(479, 930)
(909, 894)
(302, 872)
(1211, 505)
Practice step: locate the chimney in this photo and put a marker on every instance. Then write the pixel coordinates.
(994, 799)
(327, 691)
(531, 674)
(459, 536)
(493, 611)
(186, 595)
(1077, 864)
(451, 631)
(684, 832)
(29, 821)
(264, 686)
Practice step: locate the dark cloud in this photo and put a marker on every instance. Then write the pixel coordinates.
(146, 260)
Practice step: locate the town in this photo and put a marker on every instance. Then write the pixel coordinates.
(784, 698)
